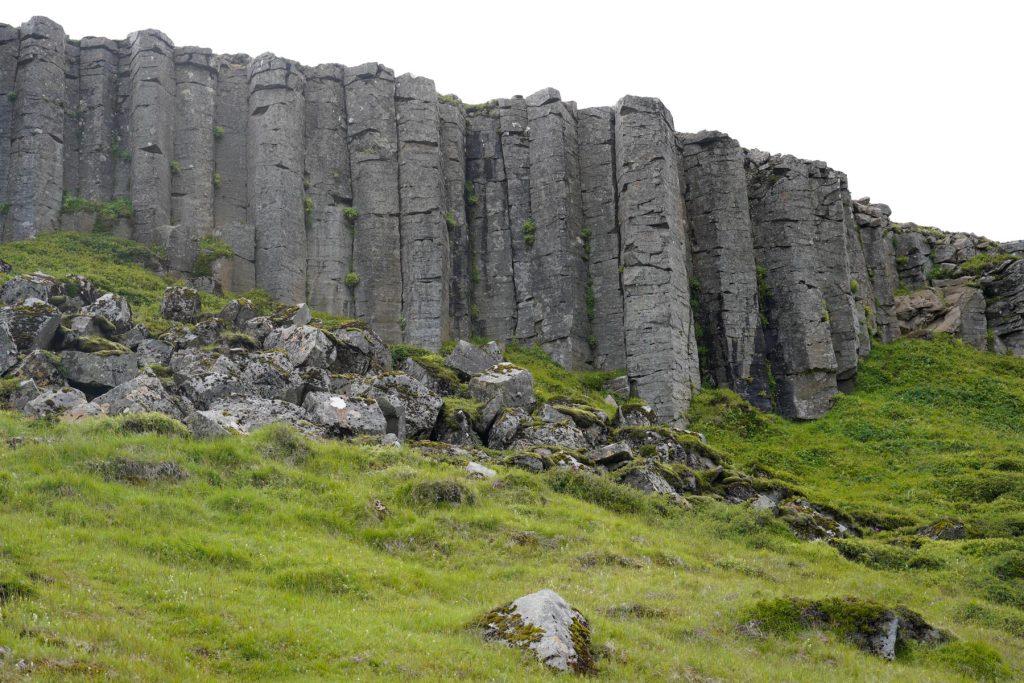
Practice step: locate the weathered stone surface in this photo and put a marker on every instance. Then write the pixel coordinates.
(373, 148)
(153, 352)
(20, 289)
(195, 71)
(181, 304)
(244, 414)
(452, 120)
(8, 348)
(426, 253)
(304, 345)
(114, 309)
(97, 72)
(345, 415)
(457, 429)
(1005, 312)
(329, 232)
(798, 336)
(42, 367)
(503, 386)
(468, 359)
(661, 351)
(596, 129)
(9, 44)
(724, 270)
(276, 131)
(95, 372)
(32, 323)
(955, 307)
(360, 351)
(913, 257)
(143, 394)
(151, 131)
(543, 622)
(231, 163)
(35, 175)
(54, 402)
(410, 409)
(880, 258)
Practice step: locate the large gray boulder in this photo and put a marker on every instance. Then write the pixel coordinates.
(411, 408)
(243, 414)
(304, 345)
(271, 375)
(503, 386)
(32, 323)
(181, 304)
(143, 394)
(112, 308)
(42, 367)
(20, 289)
(8, 348)
(95, 372)
(543, 622)
(54, 402)
(360, 351)
(468, 360)
(345, 415)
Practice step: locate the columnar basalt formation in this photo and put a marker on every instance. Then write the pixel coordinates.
(599, 234)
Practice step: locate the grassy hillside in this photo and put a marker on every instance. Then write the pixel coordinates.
(269, 557)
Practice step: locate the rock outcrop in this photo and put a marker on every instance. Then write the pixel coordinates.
(601, 234)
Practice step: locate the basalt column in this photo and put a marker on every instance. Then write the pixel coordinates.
(373, 148)
(860, 282)
(600, 234)
(9, 43)
(426, 255)
(724, 271)
(880, 258)
(231, 163)
(193, 164)
(72, 124)
(559, 275)
(799, 339)
(832, 262)
(494, 295)
(661, 353)
(276, 145)
(329, 180)
(453, 158)
(151, 131)
(36, 169)
(97, 73)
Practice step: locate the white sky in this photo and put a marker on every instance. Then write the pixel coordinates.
(919, 103)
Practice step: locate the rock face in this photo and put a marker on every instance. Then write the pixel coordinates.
(600, 235)
(546, 624)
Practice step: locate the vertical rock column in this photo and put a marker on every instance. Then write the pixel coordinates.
(193, 164)
(36, 169)
(97, 75)
(596, 128)
(880, 258)
(724, 270)
(661, 352)
(453, 158)
(861, 287)
(560, 274)
(9, 43)
(151, 131)
(329, 237)
(121, 146)
(373, 149)
(832, 265)
(514, 134)
(798, 336)
(231, 164)
(426, 254)
(493, 310)
(276, 136)
(72, 123)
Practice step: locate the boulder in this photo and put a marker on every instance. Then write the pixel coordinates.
(34, 286)
(237, 312)
(23, 393)
(8, 348)
(203, 426)
(456, 427)
(944, 530)
(633, 415)
(85, 325)
(153, 352)
(468, 360)
(98, 372)
(54, 402)
(304, 345)
(42, 367)
(611, 455)
(505, 427)
(31, 324)
(181, 304)
(271, 375)
(502, 386)
(543, 622)
(295, 316)
(411, 409)
(360, 351)
(142, 394)
(647, 479)
(113, 309)
(243, 414)
(478, 471)
(345, 415)
(258, 328)
(617, 385)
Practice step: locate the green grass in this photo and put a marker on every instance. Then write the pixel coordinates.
(551, 382)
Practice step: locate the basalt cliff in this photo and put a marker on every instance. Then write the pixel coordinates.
(601, 234)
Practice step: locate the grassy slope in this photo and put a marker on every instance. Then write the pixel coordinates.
(270, 561)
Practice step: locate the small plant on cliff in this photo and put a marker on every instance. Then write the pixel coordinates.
(218, 132)
(449, 219)
(13, 95)
(351, 280)
(107, 213)
(981, 263)
(529, 232)
(351, 214)
(471, 197)
(585, 235)
(216, 180)
(307, 210)
(449, 99)
(4, 208)
(854, 286)
(175, 167)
